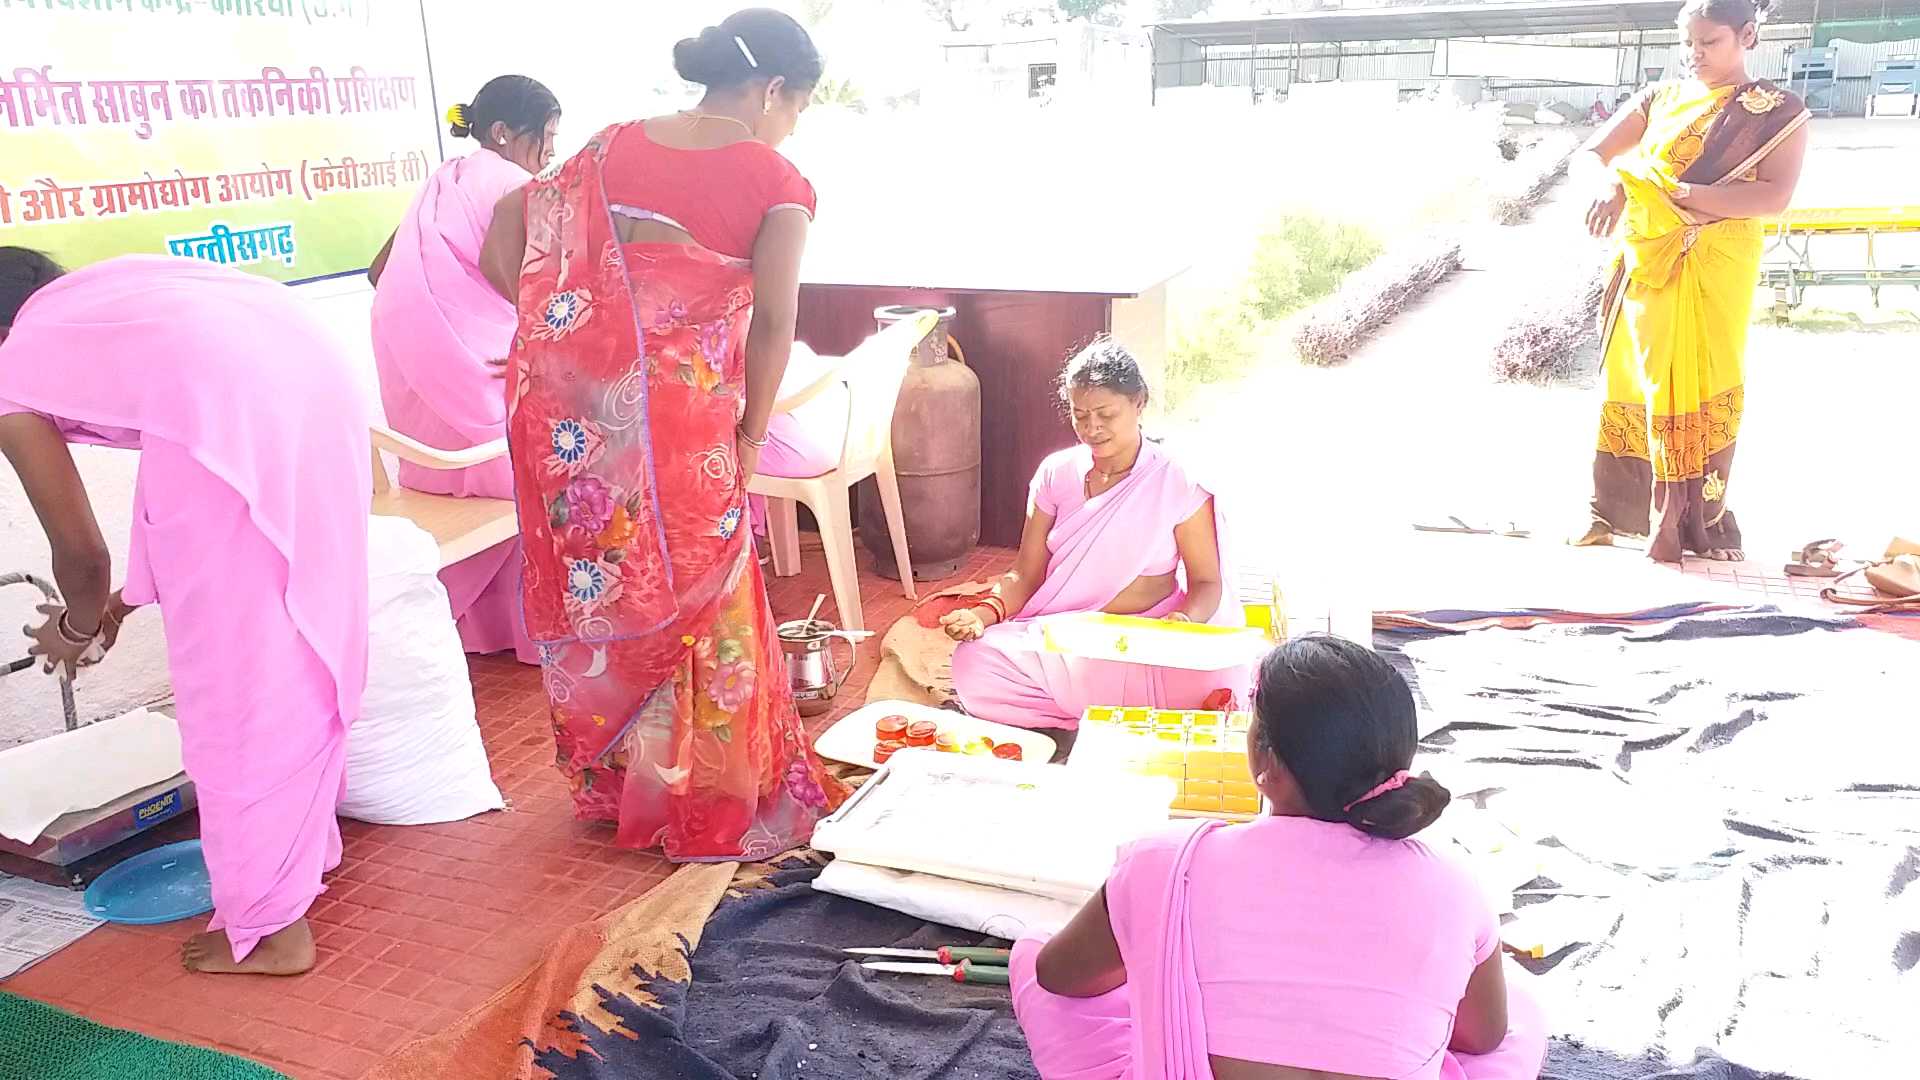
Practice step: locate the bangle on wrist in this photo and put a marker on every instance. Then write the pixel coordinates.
(72, 636)
(757, 444)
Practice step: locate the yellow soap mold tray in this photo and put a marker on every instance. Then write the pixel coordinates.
(1203, 752)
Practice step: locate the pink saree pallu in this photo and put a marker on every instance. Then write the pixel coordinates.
(1155, 1027)
(436, 325)
(1096, 548)
(672, 714)
(249, 533)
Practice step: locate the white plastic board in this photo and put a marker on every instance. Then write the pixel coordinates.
(1043, 829)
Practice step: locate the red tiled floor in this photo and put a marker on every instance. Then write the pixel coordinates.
(420, 924)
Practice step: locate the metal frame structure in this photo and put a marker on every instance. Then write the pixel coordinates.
(1339, 27)
(1792, 237)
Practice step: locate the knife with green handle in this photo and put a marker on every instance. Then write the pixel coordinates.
(966, 971)
(945, 954)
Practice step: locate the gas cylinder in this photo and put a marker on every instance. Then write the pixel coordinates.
(936, 452)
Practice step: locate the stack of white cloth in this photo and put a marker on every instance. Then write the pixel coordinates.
(997, 847)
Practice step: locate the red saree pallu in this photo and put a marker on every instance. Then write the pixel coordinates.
(670, 703)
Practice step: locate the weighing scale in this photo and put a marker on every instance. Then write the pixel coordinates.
(79, 846)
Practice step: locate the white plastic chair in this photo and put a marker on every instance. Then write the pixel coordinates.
(872, 373)
(463, 527)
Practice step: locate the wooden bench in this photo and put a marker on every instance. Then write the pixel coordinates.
(463, 527)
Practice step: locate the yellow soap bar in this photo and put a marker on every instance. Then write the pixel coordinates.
(1206, 739)
(1099, 714)
(1202, 768)
(1239, 721)
(1137, 715)
(1205, 719)
(1239, 804)
(1240, 789)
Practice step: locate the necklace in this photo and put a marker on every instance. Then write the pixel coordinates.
(693, 114)
(1097, 475)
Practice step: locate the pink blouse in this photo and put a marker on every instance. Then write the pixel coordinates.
(1316, 945)
(1059, 488)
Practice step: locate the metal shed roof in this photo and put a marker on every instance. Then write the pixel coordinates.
(1472, 20)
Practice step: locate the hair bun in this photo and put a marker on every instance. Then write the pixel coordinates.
(459, 125)
(1402, 811)
(710, 59)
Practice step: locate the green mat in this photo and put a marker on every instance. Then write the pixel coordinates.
(40, 1042)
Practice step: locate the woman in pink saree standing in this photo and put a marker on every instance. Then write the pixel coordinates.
(438, 324)
(1319, 943)
(1114, 524)
(249, 532)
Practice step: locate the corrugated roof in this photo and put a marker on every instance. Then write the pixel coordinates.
(1470, 20)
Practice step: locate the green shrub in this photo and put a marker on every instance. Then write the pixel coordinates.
(1217, 345)
(1302, 258)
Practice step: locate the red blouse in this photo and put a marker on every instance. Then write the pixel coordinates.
(719, 196)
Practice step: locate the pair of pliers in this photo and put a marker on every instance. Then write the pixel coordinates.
(964, 965)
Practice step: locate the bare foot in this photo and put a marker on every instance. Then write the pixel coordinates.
(1726, 555)
(284, 952)
(1597, 535)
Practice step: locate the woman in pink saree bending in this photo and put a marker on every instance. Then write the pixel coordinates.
(438, 326)
(1114, 524)
(1319, 943)
(249, 532)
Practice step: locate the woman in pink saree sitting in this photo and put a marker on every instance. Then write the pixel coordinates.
(1114, 524)
(438, 324)
(253, 449)
(1319, 943)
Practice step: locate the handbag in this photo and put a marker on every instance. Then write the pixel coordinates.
(1895, 581)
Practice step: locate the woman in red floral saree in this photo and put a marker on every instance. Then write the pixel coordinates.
(638, 393)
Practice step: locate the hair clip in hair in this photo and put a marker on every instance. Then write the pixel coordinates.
(746, 52)
(1392, 783)
(457, 116)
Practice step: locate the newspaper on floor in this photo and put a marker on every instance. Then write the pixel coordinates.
(37, 921)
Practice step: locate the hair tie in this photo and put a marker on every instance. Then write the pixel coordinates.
(457, 116)
(1392, 783)
(746, 52)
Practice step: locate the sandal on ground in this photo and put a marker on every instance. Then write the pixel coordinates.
(1457, 526)
(1819, 559)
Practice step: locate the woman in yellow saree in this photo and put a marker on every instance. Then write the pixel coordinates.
(1693, 168)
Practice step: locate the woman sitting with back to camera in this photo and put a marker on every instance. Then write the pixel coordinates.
(1114, 524)
(1318, 943)
(439, 328)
